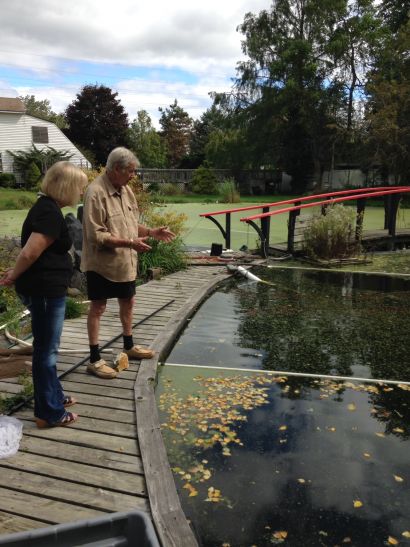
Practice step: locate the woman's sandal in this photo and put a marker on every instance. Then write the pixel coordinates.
(69, 401)
(67, 419)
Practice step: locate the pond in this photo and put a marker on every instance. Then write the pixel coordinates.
(264, 458)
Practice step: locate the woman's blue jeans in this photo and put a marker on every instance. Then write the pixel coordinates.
(47, 318)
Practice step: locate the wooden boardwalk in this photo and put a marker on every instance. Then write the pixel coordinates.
(113, 458)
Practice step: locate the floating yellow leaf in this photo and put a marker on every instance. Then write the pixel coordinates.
(347, 540)
(283, 428)
(332, 429)
(379, 434)
(351, 406)
(280, 534)
(302, 481)
(406, 534)
(398, 479)
(398, 430)
(404, 386)
(392, 541)
(357, 504)
(366, 455)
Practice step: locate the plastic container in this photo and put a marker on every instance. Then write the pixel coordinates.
(131, 529)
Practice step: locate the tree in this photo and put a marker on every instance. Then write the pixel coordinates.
(97, 121)
(176, 126)
(388, 107)
(146, 142)
(42, 109)
(284, 89)
(210, 121)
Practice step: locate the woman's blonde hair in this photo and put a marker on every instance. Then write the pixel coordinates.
(64, 182)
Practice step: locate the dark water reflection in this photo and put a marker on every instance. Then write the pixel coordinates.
(315, 322)
(262, 459)
(310, 464)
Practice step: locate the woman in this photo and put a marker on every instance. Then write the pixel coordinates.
(41, 276)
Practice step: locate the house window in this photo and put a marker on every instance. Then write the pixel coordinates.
(40, 134)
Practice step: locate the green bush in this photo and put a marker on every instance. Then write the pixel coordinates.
(7, 180)
(204, 181)
(228, 191)
(170, 257)
(169, 189)
(73, 308)
(25, 202)
(331, 235)
(32, 176)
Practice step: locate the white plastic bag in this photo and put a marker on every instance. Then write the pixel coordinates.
(11, 431)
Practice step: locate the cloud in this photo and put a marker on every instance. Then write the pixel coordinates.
(44, 46)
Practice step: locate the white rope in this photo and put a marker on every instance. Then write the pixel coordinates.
(297, 374)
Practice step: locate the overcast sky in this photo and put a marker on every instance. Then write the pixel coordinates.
(150, 52)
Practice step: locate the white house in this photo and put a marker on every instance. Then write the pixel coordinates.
(19, 131)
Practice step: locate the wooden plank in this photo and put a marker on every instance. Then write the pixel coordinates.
(88, 455)
(10, 524)
(68, 492)
(98, 425)
(79, 472)
(74, 435)
(42, 508)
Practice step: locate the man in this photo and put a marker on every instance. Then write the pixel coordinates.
(112, 237)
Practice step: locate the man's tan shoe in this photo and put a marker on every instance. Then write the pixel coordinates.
(101, 369)
(139, 352)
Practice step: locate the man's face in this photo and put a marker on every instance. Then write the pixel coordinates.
(122, 176)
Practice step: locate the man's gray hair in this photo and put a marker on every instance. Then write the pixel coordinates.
(122, 157)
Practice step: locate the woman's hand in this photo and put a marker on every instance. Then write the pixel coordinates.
(7, 279)
(162, 234)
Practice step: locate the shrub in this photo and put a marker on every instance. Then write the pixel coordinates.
(25, 202)
(169, 189)
(170, 257)
(73, 308)
(174, 221)
(7, 180)
(153, 187)
(204, 181)
(331, 235)
(32, 176)
(228, 191)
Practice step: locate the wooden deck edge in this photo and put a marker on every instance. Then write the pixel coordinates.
(169, 519)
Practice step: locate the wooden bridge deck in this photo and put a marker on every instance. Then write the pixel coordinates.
(100, 464)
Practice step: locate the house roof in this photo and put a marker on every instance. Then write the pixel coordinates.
(12, 105)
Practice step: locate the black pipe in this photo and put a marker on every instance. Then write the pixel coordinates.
(28, 399)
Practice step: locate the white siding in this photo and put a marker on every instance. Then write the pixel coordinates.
(15, 134)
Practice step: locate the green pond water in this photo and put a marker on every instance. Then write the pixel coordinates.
(263, 459)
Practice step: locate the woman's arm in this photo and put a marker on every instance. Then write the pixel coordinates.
(36, 244)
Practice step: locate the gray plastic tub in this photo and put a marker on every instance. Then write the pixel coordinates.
(130, 529)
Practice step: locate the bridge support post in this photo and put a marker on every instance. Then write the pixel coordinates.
(291, 228)
(265, 228)
(361, 205)
(228, 230)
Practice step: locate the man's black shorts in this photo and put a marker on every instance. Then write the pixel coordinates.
(100, 288)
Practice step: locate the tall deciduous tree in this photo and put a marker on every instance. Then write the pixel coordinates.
(284, 86)
(146, 142)
(388, 107)
(97, 121)
(42, 109)
(176, 125)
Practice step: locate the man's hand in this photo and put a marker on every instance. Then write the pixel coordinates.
(162, 234)
(138, 244)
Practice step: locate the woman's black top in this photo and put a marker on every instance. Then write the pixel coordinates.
(51, 272)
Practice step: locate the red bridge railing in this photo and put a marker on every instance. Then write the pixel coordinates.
(391, 196)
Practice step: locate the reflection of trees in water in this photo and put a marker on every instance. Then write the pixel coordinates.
(392, 408)
(304, 326)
